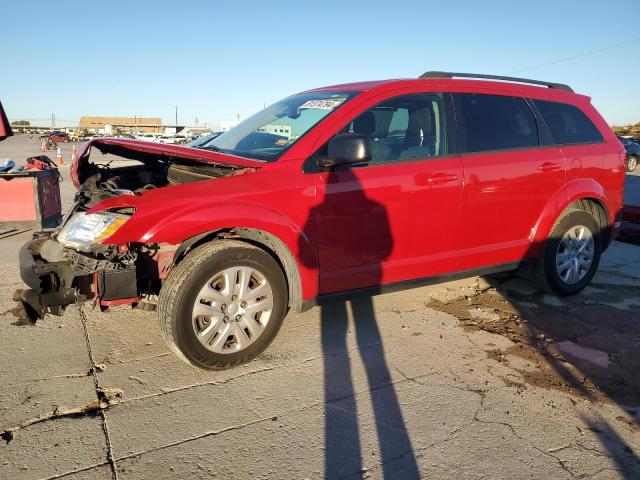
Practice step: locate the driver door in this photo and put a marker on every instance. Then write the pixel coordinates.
(396, 218)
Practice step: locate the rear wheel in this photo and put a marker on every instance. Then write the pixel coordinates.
(223, 304)
(571, 254)
(632, 163)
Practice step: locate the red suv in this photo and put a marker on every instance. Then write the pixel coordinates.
(351, 188)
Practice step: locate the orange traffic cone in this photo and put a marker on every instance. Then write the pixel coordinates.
(59, 158)
(73, 153)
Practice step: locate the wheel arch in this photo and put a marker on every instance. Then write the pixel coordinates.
(584, 194)
(266, 241)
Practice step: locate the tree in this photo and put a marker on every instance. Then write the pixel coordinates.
(21, 123)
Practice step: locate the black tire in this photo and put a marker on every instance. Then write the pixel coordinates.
(632, 163)
(181, 288)
(544, 272)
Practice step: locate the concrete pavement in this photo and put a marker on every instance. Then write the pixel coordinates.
(481, 378)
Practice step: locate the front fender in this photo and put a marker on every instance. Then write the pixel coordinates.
(186, 222)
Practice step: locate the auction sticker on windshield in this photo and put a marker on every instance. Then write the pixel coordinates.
(325, 104)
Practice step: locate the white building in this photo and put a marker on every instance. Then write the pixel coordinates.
(276, 129)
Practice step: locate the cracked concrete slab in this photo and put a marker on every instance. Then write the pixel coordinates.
(297, 439)
(47, 349)
(53, 448)
(100, 472)
(489, 451)
(31, 399)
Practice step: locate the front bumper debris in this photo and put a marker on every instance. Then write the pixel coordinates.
(50, 283)
(58, 276)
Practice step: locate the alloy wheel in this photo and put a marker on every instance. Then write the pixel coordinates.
(232, 309)
(575, 254)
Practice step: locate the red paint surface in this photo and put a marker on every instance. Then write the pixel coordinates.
(17, 201)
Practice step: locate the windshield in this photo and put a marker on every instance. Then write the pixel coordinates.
(268, 133)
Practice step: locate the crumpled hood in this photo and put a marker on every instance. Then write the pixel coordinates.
(148, 152)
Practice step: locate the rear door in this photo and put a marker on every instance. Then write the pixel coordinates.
(508, 177)
(581, 142)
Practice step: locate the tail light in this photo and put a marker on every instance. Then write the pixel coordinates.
(624, 157)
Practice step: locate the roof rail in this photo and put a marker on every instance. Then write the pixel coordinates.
(559, 86)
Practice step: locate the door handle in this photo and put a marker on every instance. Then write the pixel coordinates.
(439, 178)
(549, 167)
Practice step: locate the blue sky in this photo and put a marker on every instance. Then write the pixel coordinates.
(218, 59)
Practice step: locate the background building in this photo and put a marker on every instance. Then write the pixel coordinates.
(134, 124)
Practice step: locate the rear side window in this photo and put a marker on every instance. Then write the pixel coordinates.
(568, 125)
(494, 122)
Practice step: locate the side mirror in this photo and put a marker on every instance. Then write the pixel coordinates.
(347, 149)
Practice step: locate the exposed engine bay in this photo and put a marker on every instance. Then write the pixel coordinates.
(70, 264)
(105, 182)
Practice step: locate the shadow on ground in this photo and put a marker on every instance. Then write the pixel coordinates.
(585, 345)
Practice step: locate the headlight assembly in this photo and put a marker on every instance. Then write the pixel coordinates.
(84, 230)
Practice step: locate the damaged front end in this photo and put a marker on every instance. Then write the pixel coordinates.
(75, 262)
(58, 276)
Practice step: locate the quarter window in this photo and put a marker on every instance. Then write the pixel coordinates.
(567, 124)
(494, 122)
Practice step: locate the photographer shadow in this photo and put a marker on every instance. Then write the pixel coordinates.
(342, 433)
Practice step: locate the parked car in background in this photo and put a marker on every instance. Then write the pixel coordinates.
(80, 136)
(57, 136)
(203, 140)
(179, 139)
(633, 152)
(147, 137)
(166, 139)
(385, 185)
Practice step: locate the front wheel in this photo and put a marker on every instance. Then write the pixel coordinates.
(223, 304)
(632, 163)
(571, 254)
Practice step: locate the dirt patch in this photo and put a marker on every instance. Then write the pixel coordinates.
(633, 425)
(583, 346)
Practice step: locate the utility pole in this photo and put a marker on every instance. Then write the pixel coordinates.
(176, 115)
